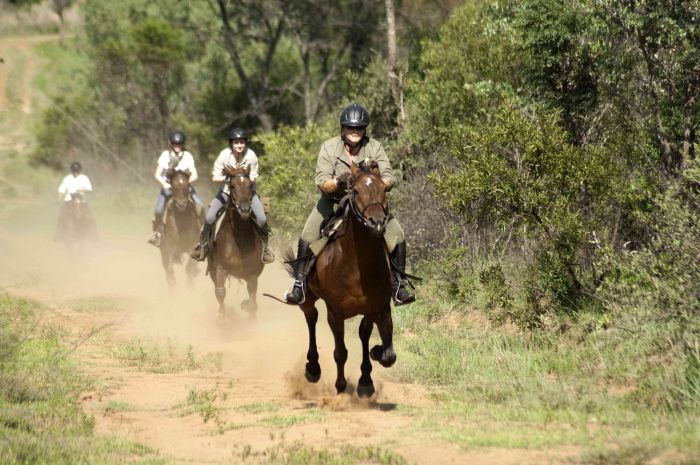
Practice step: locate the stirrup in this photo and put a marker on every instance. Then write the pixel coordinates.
(155, 239)
(198, 253)
(267, 252)
(410, 298)
(297, 284)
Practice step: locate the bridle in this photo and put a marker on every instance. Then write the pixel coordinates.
(231, 200)
(360, 214)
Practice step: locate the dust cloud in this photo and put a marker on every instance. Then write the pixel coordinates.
(123, 268)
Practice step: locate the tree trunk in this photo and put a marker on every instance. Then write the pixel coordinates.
(392, 67)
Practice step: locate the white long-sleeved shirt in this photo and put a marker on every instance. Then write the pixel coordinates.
(73, 184)
(184, 161)
(226, 158)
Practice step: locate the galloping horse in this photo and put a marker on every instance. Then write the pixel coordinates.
(238, 247)
(75, 223)
(182, 221)
(352, 275)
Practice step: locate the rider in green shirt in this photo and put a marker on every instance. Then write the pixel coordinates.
(353, 145)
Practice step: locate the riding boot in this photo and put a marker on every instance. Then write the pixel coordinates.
(157, 231)
(400, 294)
(297, 294)
(201, 250)
(267, 255)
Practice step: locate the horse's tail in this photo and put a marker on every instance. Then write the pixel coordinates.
(289, 261)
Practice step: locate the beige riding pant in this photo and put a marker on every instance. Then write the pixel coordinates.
(325, 207)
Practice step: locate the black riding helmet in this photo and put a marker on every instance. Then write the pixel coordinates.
(354, 116)
(76, 167)
(177, 137)
(237, 133)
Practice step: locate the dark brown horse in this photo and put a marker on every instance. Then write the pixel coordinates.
(182, 221)
(353, 276)
(76, 224)
(238, 247)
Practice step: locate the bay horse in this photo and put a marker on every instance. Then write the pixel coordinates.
(182, 220)
(76, 225)
(352, 275)
(238, 247)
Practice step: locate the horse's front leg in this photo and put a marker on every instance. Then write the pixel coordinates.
(365, 387)
(192, 271)
(313, 369)
(166, 259)
(384, 353)
(340, 354)
(220, 289)
(251, 305)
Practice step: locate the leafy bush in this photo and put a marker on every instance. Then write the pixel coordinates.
(654, 296)
(287, 170)
(521, 173)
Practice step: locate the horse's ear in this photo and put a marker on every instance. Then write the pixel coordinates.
(355, 170)
(169, 172)
(374, 167)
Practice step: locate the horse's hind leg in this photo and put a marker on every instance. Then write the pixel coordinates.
(365, 387)
(340, 354)
(313, 369)
(384, 353)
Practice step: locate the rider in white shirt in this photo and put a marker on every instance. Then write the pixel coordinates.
(236, 155)
(74, 183)
(179, 159)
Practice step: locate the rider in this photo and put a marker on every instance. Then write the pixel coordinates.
(179, 159)
(74, 183)
(236, 155)
(352, 145)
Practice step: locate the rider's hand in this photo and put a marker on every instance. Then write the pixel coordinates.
(330, 186)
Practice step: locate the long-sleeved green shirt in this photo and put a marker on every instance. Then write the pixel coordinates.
(329, 165)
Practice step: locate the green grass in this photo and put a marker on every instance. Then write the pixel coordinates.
(152, 357)
(259, 407)
(298, 454)
(499, 387)
(41, 420)
(117, 406)
(315, 415)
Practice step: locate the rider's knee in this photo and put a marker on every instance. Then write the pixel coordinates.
(393, 235)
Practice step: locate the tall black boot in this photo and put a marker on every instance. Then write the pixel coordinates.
(201, 250)
(267, 255)
(400, 294)
(297, 294)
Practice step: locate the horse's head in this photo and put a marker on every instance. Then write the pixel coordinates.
(368, 197)
(180, 183)
(241, 190)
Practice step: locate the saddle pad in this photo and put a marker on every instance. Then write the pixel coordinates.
(326, 235)
(217, 224)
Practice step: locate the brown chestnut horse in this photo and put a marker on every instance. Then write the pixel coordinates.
(182, 221)
(76, 225)
(238, 247)
(352, 275)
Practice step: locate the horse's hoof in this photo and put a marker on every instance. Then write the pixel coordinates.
(365, 390)
(386, 358)
(312, 374)
(341, 385)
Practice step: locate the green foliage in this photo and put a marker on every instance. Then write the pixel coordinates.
(41, 419)
(463, 75)
(287, 168)
(521, 172)
(655, 294)
(561, 51)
